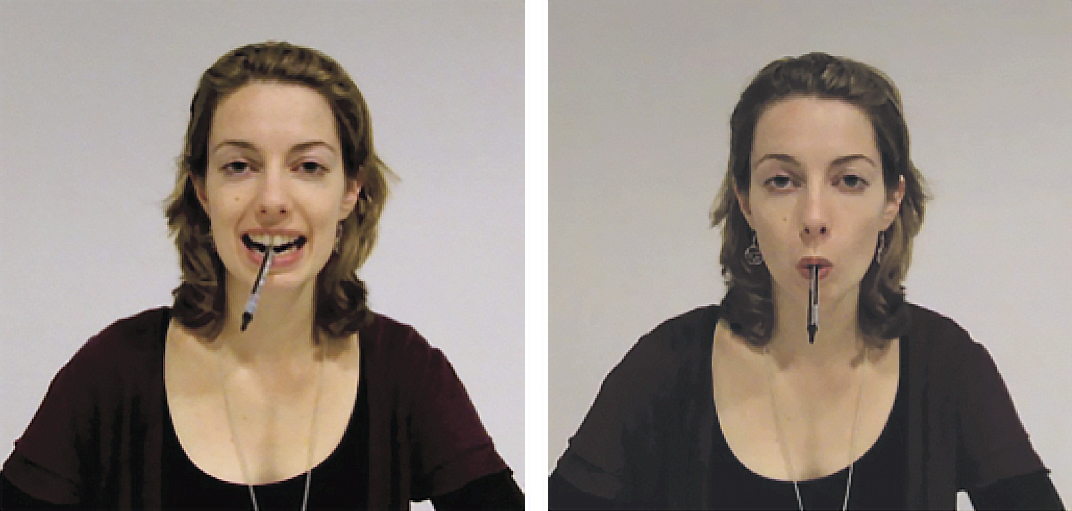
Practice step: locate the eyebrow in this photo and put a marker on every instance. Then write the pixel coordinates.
(840, 160)
(245, 144)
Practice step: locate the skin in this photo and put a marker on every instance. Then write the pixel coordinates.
(816, 190)
(274, 163)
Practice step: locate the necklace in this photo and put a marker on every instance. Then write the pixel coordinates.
(785, 446)
(312, 437)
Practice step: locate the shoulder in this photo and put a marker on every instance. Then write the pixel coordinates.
(674, 344)
(420, 408)
(106, 390)
(660, 370)
(967, 396)
(941, 340)
(395, 355)
(388, 341)
(934, 326)
(685, 331)
(647, 407)
(127, 346)
(948, 362)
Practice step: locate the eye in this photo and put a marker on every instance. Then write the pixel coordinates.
(854, 182)
(312, 167)
(236, 167)
(779, 182)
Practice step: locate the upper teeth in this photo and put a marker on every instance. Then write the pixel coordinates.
(273, 240)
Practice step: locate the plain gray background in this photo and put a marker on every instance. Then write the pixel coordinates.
(94, 100)
(640, 95)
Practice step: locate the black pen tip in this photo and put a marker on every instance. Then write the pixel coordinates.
(246, 318)
(811, 333)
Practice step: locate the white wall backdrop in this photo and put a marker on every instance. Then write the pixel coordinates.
(94, 100)
(640, 95)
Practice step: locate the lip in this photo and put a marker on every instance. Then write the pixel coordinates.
(805, 264)
(279, 262)
(274, 232)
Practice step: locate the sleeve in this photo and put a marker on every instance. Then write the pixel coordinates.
(613, 456)
(14, 499)
(1031, 491)
(563, 495)
(451, 447)
(49, 459)
(497, 492)
(993, 444)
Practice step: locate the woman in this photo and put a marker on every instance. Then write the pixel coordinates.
(297, 397)
(766, 402)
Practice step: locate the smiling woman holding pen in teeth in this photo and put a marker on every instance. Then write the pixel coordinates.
(814, 384)
(269, 383)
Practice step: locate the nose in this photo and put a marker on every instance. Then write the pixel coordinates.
(814, 226)
(273, 201)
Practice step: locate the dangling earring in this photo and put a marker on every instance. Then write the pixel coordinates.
(338, 236)
(881, 247)
(752, 255)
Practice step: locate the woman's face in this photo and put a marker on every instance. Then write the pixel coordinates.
(275, 174)
(816, 191)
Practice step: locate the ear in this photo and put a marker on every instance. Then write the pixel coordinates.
(199, 188)
(742, 201)
(349, 199)
(893, 204)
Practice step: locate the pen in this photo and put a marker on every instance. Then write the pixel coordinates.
(813, 304)
(258, 286)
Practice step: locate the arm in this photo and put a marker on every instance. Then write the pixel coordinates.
(454, 459)
(1031, 491)
(494, 491)
(14, 499)
(563, 495)
(998, 465)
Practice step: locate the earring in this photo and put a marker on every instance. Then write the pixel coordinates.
(338, 236)
(752, 255)
(881, 247)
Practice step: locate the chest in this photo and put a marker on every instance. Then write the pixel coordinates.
(237, 428)
(792, 428)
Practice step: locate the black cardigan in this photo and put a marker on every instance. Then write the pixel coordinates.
(646, 441)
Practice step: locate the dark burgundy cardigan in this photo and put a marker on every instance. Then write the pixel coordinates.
(646, 441)
(96, 439)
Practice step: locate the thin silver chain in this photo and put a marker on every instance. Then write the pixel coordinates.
(238, 449)
(785, 446)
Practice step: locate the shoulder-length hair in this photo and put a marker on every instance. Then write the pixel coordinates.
(340, 298)
(748, 305)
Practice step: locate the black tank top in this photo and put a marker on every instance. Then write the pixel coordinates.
(878, 478)
(339, 482)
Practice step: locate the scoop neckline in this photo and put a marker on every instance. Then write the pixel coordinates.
(898, 401)
(173, 436)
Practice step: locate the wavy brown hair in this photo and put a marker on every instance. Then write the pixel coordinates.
(748, 305)
(341, 297)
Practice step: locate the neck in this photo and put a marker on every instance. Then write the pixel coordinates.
(837, 342)
(282, 325)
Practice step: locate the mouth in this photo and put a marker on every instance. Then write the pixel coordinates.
(280, 243)
(805, 264)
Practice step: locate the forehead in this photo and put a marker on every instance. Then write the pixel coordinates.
(814, 127)
(271, 114)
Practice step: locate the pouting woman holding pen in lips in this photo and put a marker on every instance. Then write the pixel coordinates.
(732, 407)
(318, 402)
